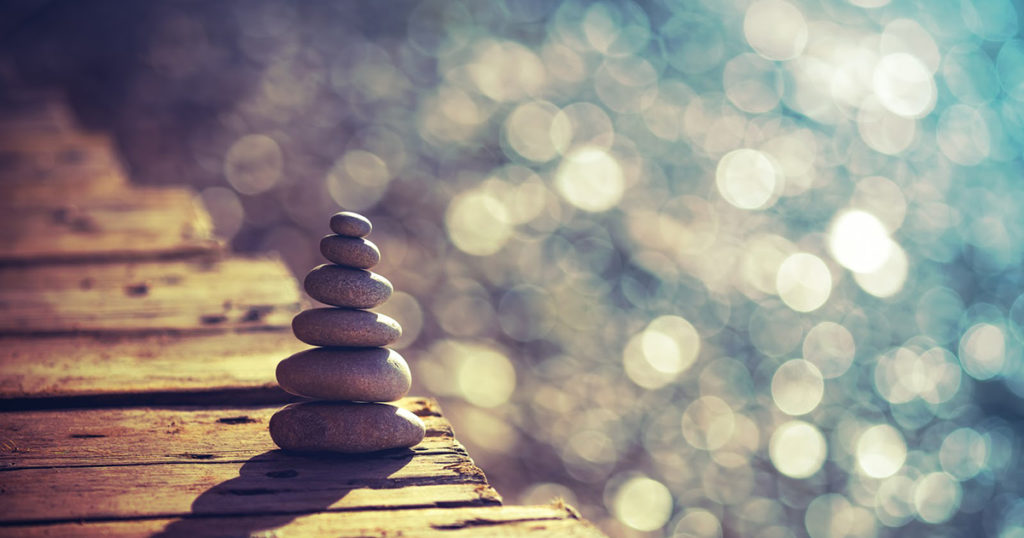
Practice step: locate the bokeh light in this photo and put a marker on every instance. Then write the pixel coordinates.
(881, 451)
(743, 268)
(797, 449)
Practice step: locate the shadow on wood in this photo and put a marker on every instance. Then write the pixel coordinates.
(279, 487)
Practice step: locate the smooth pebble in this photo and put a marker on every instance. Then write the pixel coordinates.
(344, 286)
(350, 251)
(350, 224)
(345, 427)
(359, 374)
(345, 328)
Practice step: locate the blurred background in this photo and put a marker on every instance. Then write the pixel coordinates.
(699, 267)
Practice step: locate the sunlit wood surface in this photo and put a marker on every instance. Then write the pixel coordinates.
(137, 374)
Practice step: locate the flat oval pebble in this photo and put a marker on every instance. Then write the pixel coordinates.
(350, 224)
(358, 374)
(345, 328)
(345, 427)
(350, 251)
(348, 287)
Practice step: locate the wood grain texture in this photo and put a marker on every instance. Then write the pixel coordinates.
(91, 365)
(57, 186)
(147, 296)
(486, 521)
(133, 224)
(255, 487)
(142, 436)
(50, 156)
(97, 465)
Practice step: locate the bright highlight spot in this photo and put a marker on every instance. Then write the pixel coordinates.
(590, 179)
(888, 279)
(477, 223)
(507, 71)
(859, 241)
(746, 179)
(797, 449)
(983, 351)
(656, 356)
(904, 85)
(797, 387)
(485, 377)
(804, 282)
(881, 451)
(643, 504)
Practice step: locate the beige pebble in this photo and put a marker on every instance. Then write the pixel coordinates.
(350, 251)
(350, 224)
(345, 327)
(359, 374)
(344, 286)
(345, 427)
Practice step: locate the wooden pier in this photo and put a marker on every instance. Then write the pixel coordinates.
(137, 365)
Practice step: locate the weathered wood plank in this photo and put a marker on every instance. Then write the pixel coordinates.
(142, 436)
(179, 490)
(27, 155)
(149, 296)
(90, 365)
(132, 224)
(128, 463)
(486, 521)
(59, 185)
(64, 167)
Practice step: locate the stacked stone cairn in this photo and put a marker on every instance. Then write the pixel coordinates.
(351, 372)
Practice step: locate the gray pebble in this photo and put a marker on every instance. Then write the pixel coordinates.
(345, 427)
(345, 328)
(350, 224)
(350, 251)
(359, 374)
(343, 286)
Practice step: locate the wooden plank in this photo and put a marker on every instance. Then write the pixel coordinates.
(554, 520)
(141, 436)
(59, 185)
(90, 365)
(236, 293)
(61, 166)
(27, 154)
(103, 493)
(133, 224)
(125, 198)
(160, 463)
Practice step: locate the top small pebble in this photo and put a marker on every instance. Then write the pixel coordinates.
(350, 224)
